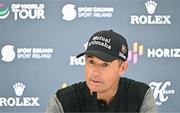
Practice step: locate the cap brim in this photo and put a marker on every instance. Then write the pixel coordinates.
(81, 54)
(99, 54)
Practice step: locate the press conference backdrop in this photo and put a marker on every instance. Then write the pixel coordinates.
(39, 40)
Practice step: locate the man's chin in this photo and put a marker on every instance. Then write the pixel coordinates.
(92, 89)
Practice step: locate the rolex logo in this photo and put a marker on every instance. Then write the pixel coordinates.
(151, 6)
(20, 100)
(150, 18)
(19, 88)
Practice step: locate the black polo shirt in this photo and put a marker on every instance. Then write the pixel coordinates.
(77, 98)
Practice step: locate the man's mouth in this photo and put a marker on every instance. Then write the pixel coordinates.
(96, 81)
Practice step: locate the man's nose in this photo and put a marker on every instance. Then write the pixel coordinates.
(96, 71)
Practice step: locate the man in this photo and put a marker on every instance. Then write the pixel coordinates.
(105, 90)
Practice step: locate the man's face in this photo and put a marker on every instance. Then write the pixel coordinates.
(102, 76)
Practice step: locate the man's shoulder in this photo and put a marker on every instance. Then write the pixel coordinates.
(70, 96)
(77, 87)
(130, 87)
(133, 83)
(133, 92)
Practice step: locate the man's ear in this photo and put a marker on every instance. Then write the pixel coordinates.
(123, 68)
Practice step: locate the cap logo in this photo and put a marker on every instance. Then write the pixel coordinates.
(101, 41)
(122, 55)
(123, 49)
(122, 52)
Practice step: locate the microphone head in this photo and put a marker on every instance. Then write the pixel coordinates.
(94, 94)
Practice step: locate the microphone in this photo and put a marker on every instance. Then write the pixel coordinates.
(95, 103)
(94, 95)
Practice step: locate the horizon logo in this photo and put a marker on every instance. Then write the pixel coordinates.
(164, 53)
(160, 91)
(4, 11)
(19, 101)
(150, 19)
(133, 55)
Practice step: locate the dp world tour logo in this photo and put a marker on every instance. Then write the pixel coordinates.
(19, 100)
(161, 91)
(4, 11)
(23, 11)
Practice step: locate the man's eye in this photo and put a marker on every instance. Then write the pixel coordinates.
(91, 62)
(105, 65)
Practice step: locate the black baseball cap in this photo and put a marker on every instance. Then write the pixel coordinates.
(107, 45)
